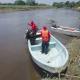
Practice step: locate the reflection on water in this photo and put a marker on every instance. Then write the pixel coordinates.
(15, 61)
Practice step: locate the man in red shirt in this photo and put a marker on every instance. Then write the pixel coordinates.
(33, 26)
(33, 31)
(45, 34)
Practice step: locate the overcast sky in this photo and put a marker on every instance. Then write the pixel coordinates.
(40, 1)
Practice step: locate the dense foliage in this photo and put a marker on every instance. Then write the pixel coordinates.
(19, 2)
(67, 4)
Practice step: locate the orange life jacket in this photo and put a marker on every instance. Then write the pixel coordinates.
(45, 36)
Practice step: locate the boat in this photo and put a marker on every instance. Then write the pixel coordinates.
(55, 61)
(66, 30)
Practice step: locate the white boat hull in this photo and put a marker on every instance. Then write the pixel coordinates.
(55, 61)
(51, 69)
(66, 31)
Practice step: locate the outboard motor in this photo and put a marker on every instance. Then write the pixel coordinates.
(28, 34)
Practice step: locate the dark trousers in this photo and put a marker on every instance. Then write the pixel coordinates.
(33, 37)
(45, 46)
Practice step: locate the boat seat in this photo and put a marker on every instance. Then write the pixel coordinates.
(52, 44)
(38, 47)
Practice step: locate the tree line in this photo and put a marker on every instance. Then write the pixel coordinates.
(20, 2)
(67, 4)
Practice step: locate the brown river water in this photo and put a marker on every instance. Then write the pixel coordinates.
(15, 61)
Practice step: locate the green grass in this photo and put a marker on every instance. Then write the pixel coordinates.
(21, 7)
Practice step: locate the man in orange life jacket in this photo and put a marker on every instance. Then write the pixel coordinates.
(45, 34)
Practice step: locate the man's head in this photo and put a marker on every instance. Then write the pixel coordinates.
(32, 22)
(44, 27)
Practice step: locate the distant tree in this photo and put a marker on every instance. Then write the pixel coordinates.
(61, 4)
(72, 4)
(19, 2)
(67, 4)
(30, 2)
(55, 4)
(78, 3)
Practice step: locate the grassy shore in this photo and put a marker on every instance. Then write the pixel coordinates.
(4, 8)
(10, 8)
(74, 64)
(78, 8)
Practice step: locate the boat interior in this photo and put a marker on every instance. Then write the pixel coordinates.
(55, 53)
(38, 43)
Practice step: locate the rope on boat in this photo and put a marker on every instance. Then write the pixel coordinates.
(67, 75)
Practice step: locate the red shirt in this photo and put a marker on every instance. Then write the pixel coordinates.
(33, 25)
